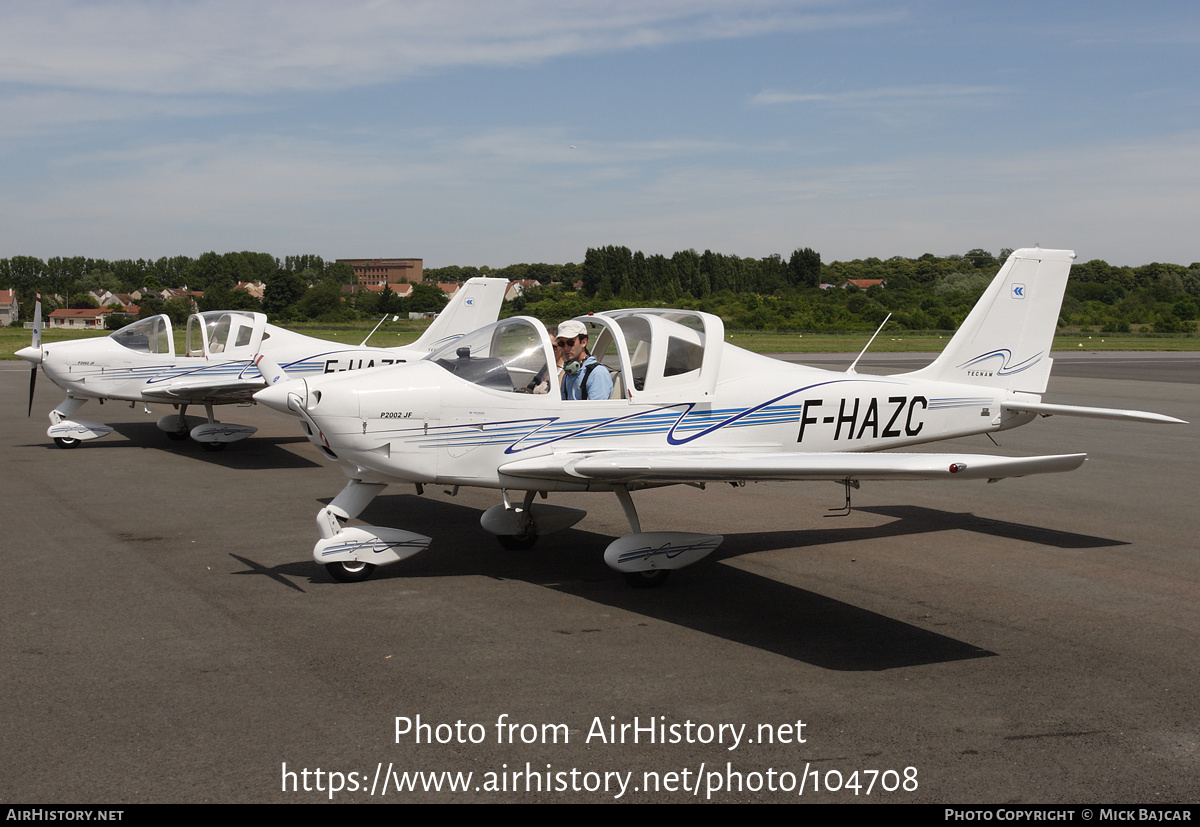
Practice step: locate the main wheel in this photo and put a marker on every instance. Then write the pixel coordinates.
(517, 542)
(351, 571)
(178, 436)
(214, 446)
(649, 579)
(66, 442)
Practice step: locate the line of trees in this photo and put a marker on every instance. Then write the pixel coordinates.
(925, 293)
(297, 287)
(610, 272)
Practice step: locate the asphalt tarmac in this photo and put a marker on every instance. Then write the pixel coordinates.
(167, 637)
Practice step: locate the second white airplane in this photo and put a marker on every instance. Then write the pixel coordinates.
(138, 363)
(685, 407)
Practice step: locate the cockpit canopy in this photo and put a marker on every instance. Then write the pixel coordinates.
(507, 356)
(227, 332)
(233, 333)
(652, 354)
(149, 335)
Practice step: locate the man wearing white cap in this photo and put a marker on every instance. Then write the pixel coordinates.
(583, 376)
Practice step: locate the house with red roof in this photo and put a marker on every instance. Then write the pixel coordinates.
(401, 289)
(519, 286)
(79, 318)
(861, 284)
(9, 308)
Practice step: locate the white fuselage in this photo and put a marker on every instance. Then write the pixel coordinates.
(102, 369)
(416, 423)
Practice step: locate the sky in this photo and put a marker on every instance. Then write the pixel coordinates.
(490, 133)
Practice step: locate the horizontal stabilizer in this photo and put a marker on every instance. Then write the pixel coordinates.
(1095, 413)
(623, 467)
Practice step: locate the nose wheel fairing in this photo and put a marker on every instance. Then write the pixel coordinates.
(351, 553)
(67, 432)
(369, 544)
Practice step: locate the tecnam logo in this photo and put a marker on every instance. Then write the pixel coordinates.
(1018, 291)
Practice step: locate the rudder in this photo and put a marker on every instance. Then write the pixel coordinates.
(476, 305)
(1005, 340)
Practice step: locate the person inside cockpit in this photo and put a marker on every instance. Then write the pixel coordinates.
(583, 376)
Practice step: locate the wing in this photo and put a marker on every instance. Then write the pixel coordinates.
(659, 466)
(202, 390)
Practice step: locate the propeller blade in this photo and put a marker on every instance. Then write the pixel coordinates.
(37, 321)
(37, 345)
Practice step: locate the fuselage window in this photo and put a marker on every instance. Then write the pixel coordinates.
(682, 357)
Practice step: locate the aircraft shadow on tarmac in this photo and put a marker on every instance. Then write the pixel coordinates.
(908, 520)
(709, 597)
(255, 453)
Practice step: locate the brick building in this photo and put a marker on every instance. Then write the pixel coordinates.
(376, 272)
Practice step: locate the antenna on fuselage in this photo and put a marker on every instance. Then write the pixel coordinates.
(372, 333)
(864, 350)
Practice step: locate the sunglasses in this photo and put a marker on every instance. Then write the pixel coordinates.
(565, 342)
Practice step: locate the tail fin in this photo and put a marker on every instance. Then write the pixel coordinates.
(476, 305)
(1005, 340)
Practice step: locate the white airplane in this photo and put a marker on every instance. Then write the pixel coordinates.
(138, 363)
(686, 407)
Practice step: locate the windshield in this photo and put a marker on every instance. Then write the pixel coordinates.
(508, 356)
(151, 335)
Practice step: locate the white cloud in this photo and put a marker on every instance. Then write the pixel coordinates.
(228, 46)
(1128, 203)
(525, 196)
(888, 95)
(25, 115)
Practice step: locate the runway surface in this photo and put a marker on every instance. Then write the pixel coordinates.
(167, 637)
